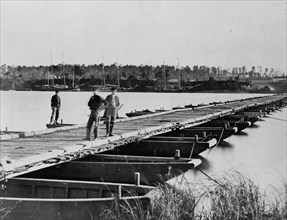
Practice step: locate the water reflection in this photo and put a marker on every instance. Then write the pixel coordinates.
(205, 164)
(25, 107)
(241, 133)
(254, 126)
(258, 154)
(225, 144)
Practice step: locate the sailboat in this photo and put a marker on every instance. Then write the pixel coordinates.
(75, 88)
(13, 86)
(64, 86)
(53, 87)
(105, 87)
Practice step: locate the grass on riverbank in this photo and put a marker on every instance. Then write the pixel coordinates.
(232, 197)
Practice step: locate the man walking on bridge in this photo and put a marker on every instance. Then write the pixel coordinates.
(96, 104)
(55, 105)
(112, 106)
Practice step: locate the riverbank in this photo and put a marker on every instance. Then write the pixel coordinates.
(211, 86)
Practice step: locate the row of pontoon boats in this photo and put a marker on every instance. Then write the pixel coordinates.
(83, 188)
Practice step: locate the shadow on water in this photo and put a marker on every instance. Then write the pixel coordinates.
(225, 144)
(241, 133)
(254, 126)
(205, 164)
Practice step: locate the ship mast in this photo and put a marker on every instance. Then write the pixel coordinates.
(179, 76)
(48, 76)
(118, 73)
(52, 68)
(63, 68)
(73, 79)
(164, 75)
(104, 79)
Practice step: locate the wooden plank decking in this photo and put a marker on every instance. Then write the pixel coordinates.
(40, 149)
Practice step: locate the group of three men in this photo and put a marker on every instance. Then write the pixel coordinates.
(97, 104)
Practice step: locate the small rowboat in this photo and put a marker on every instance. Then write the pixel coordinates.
(118, 168)
(177, 107)
(58, 125)
(216, 103)
(34, 199)
(139, 113)
(195, 106)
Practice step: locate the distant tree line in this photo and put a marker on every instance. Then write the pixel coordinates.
(125, 75)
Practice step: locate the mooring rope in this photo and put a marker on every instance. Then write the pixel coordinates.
(219, 140)
(214, 180)
(192, 150)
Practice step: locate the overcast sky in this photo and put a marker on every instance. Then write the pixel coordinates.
(212, 33)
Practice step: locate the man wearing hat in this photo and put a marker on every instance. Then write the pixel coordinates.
(112, 106)
(96, 104)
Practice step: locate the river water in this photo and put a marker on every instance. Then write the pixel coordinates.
(259, 152)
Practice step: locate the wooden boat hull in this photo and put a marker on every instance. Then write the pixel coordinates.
(119, 172)
(240, 119)
(30, 199)
(241, 125)
(219, 133)
(166, 148)
(251, 118)
(178, 139)
(253, 110)
(271, 108)
(227, 131)
(258, 109)
(102, 157)
(224, 124)
(255, 114)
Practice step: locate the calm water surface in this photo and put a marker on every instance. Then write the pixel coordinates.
(258, 152)
(26, 111)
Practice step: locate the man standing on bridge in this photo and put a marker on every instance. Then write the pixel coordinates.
(112, 107)
(55, 105)
(96, 104)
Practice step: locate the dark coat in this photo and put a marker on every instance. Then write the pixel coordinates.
(96, 102)
(56, 101)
